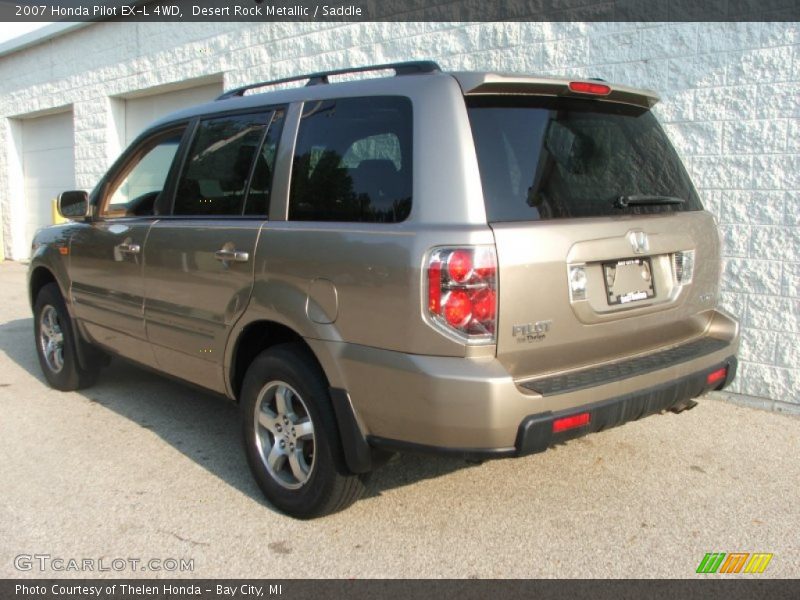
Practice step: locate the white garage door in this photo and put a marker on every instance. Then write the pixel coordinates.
(48, 167)
(141, 112)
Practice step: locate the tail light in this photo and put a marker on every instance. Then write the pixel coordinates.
(462, 292)
(683, 266)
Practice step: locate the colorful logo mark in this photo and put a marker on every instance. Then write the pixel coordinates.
(734, 562)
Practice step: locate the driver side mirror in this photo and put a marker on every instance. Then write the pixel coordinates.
(74, 204)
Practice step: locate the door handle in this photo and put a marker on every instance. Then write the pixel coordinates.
(129, 248)
(226, 255)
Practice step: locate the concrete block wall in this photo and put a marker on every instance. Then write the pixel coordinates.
(731, 104)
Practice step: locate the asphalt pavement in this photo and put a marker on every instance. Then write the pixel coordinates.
(140, 468)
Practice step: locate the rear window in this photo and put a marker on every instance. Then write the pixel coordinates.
(554, 158)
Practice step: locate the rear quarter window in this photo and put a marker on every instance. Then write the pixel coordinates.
(352, 161)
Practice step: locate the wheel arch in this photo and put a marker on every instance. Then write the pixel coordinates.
(253, 339)
(257, 336)
(40, 276)
(88, 355)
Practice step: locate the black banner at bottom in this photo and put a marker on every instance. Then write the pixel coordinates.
(702, 588)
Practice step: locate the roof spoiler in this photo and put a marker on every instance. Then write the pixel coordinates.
(497, 84)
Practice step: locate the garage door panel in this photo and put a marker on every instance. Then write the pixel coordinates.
(45, 167)
(46, 133)
(48, 167)
(40, 202)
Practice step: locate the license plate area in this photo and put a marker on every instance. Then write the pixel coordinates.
(628, 280)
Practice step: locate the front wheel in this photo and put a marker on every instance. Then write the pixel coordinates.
(290, 435)
(56, 344)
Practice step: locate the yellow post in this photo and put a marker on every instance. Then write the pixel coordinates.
(57, 218)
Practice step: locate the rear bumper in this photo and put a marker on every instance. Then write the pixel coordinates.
(472, 407)
(536, 432)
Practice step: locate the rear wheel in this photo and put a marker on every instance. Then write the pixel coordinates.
(56, 344)
(290, 435)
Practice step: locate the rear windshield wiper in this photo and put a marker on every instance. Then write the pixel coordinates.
(646, 200)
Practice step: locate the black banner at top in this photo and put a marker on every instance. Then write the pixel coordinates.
(253, 11)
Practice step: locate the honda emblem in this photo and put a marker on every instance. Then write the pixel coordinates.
(639, 242)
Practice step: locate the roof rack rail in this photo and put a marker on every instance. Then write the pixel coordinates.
(399, 68)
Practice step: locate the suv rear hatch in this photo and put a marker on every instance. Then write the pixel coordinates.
(604, 250)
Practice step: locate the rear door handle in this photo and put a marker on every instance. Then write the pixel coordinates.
(129, 248)
(231, 255)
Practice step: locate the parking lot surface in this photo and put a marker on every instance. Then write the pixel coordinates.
(141, 467)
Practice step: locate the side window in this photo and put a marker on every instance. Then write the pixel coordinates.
(136, 187)
(257, 202)
(218, 165)
(352, 161)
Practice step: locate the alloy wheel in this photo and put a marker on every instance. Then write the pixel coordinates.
(284, 434)
(51, 339)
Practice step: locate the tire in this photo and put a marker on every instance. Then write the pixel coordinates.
(290, 435)
(56, 343)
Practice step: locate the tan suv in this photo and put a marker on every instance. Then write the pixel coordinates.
(470, 263)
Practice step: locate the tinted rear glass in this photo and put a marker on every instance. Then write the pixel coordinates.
(551, 158)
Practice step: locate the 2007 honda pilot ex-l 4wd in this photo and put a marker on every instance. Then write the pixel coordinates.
(470, 263)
